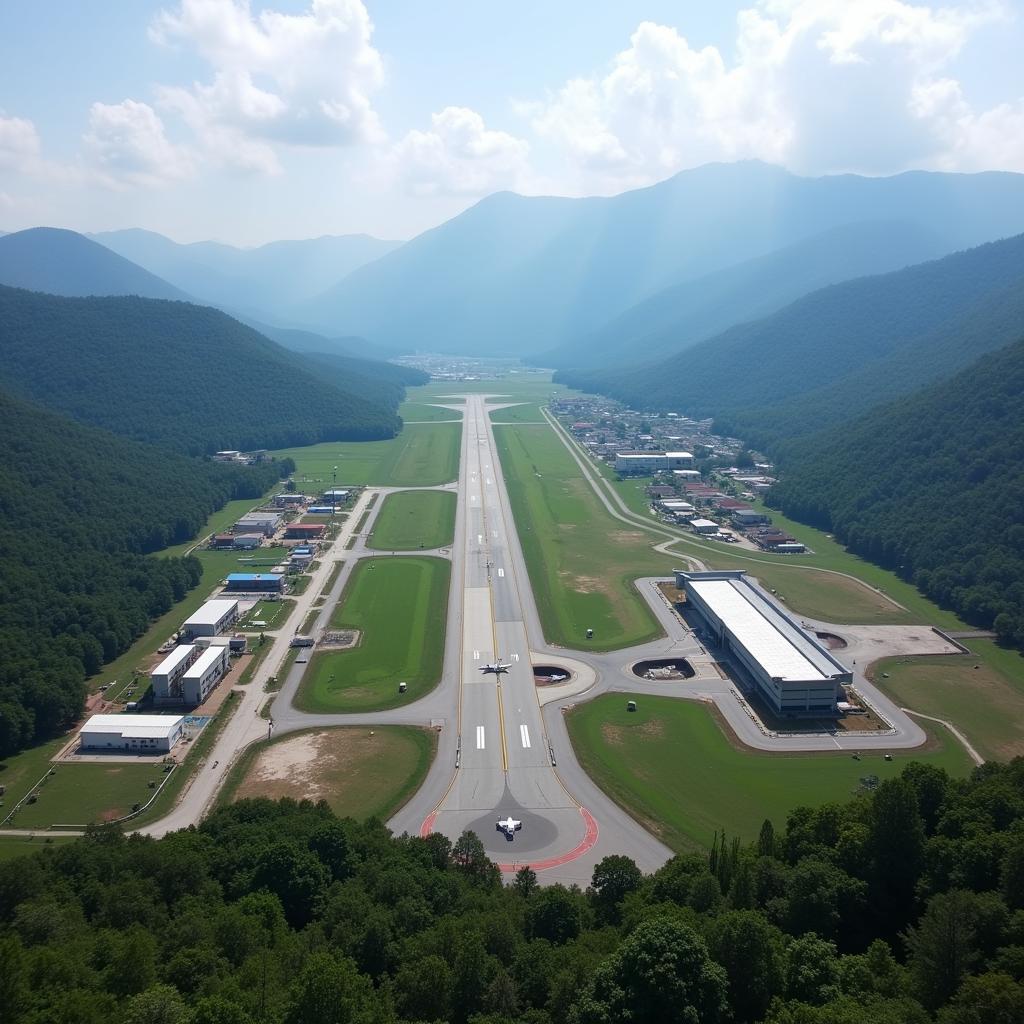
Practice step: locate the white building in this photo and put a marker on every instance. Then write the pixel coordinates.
(166, 677)
(204, 674)
(134, 734)
(704, 526)
(247, 541)
(258, 522)
(644, 463)
(214, 617)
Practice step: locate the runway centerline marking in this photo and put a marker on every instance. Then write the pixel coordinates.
(479, 737)
(524, 735)
(501, 572)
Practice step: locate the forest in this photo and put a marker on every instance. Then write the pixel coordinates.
(80, 511)
(186, 377)
(902, 906)
(932, 487)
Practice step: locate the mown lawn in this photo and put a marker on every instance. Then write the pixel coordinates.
(16, 846)
(420, 412)
(582, 562)
(401, 607)
(361, 772)
(423, 455)
(414, 519)
(672, 768)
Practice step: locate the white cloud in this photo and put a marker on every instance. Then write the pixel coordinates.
(459, 156)
(818, 85)
(299, 79)
(126, 144)
(19, 144)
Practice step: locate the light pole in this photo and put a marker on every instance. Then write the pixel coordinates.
(334, 492)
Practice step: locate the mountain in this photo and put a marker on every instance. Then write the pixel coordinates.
(67, 263)
(518, 275)
(831, 354)
(269, 279)
(185, 376)
(80, 509)
(933, 486)
(686, 313)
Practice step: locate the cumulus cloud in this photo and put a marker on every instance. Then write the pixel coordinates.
(126, 144)
(459, 156)
(818, 85)
(19, 143)
(300, 79)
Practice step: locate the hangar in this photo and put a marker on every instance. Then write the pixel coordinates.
(789, 670)
(136, 734)
(212, 618)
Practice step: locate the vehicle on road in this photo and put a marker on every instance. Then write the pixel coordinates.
(509, 826)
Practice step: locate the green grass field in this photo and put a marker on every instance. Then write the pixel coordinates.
(16, 846)
(361, 772)
(423, 455)
(20, 772)
(982, 693)
(272, 613)
(221, 520)
(671, 767)
(529, 412)
(401, 606)
(420, 412)
(581, 561)
(414, 519)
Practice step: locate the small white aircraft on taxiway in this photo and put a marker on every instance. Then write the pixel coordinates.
(509, 826)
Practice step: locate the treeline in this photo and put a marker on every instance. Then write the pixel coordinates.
(931, 487)
(80, 509)
(901, 907)
(184, 376)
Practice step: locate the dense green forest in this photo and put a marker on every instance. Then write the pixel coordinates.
(931, 486)
(184, 376)
(898, 907)
(79, 511)
(835, 352)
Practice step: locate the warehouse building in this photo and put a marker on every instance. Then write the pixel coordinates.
(304, 531)
(265, 523)
(321, 510)
(214, 617)
(335, 496)
(704, 526)
(644, 463)
(785, 666)
(204, 674)
(247, 541)
(133, 734)
(166, 677)
(255, 582)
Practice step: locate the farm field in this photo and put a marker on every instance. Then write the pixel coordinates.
(360, 772)
(581, 561)
(672, 768)
(414, 519)
(982, 693)
(401, 607)
(423, 455)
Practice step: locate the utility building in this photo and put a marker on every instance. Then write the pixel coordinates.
(134, 734)
(255, 582)
(204, 674)
(214, 617)
(785, 666)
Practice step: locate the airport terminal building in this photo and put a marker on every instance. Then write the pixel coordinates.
(789, 670)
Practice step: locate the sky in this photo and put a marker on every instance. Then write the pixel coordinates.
(247, 121)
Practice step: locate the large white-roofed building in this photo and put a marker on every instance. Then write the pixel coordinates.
(214, 617)
(789, 670)
(204, 674)
(166, 677)
(136, 734)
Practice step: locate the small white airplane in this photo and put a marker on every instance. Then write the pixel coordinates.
(496, 667)
(509, 826)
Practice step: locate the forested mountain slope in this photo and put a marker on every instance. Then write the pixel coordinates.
(67, 263)
(839, 350)
(932, 486)
(79, 510)
(900, 906)
(181, 375)
(519, 275)
(681, 316)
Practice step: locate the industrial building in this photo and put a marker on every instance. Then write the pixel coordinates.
(265, 523)
(304, 531)
(704, 526)
(204, 674)
(214, 617)
(785, 666)
(166, 677)
(255, 582)
(134, 734)
(290, 500)
(335, 497)
(321, 510)
(236, 644)
(247, 541)
(643, 463)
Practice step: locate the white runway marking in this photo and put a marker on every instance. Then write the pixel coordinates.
(515, 657)
(501, 572)
(489, 480)
(494, 533)
(476, 655)
(479, 737)
(524, 734)
(479, 538)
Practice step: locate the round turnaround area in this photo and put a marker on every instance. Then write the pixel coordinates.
(400, 607)
(361, 772)
(667, 669)
(671, 766)
(410, 520)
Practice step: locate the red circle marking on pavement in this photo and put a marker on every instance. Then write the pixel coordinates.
(428, 824)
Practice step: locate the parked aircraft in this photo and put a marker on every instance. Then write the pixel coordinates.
(496, 667)
(510, 827)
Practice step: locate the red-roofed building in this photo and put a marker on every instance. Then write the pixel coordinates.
(304, 531)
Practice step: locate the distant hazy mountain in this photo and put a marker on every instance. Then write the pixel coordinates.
(66, 263)
(838, 351)
(686, 313)
(520, 275)
(268, 280)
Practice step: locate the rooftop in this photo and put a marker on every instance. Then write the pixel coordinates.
(205, 660)
(134, 726)
(174, 659)
(212, 612)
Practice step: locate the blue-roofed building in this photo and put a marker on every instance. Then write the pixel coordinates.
(255, 582)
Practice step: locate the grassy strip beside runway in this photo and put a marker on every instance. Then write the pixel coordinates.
(400, 605)
(416, 412)
(361, 772)
(670, 765)
(581, 561)
(414, 519)
(422, 455)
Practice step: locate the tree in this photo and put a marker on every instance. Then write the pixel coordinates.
(161, 1004)
(525, 882)
(896, 845)
(329, 991)
(614, 878)
(217, 1010)
(751, 951)
(469, 856)
(423, 989)
(986, 999)
(766, 840)
(295, 876)
(554, 914)
(812, 970)
(943, 946)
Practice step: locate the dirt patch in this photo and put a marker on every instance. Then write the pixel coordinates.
(626, 536)
(299, 767)
(588, 584)
(653, 729)
(672, 593)
(612, 735)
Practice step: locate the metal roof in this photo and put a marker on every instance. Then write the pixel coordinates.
(173, 660)
(239, 577)
(782, 650)
(212, 612)
(134, 726)
(205, 660)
